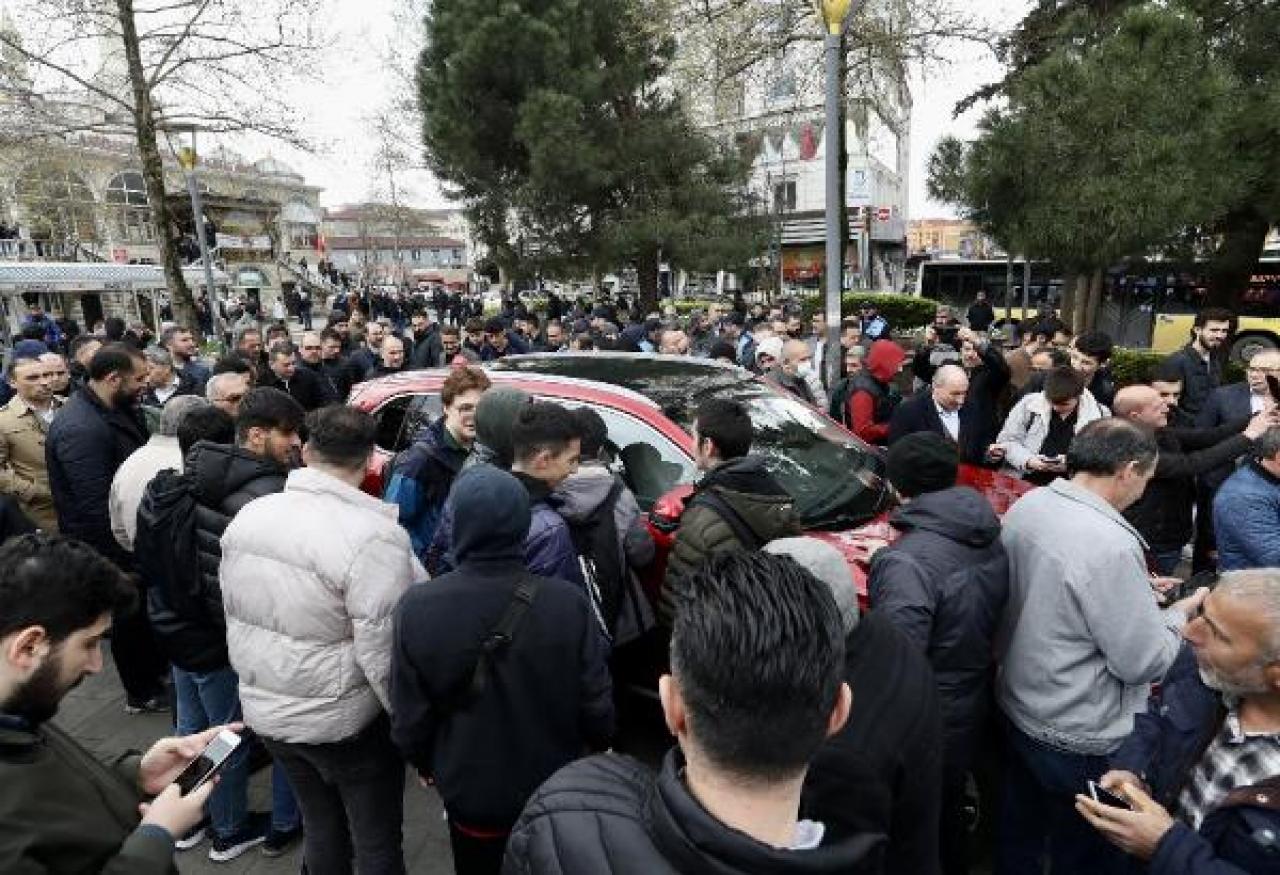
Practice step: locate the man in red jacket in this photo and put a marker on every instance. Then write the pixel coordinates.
(872, 397)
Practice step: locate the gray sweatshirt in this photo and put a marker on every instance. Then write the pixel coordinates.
(1082, 637)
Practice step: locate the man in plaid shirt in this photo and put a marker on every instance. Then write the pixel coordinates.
(1201, 770)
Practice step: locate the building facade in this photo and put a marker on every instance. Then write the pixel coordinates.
(949, 237)
(383, 244)
(774, 109)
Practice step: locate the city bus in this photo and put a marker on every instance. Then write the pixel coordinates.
(1150, 303)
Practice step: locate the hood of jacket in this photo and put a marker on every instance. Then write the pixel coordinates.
(495, 414)
(884, 359)
(748, 487)
(578, 497)
(746, 474)
(491, 516)
(221, 470)
(960, 513)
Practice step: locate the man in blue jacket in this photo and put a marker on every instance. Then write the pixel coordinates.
(1246, 511)
(1201, 771)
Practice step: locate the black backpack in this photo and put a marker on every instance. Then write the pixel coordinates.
(603, 566)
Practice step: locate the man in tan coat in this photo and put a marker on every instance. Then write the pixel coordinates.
(24, 422)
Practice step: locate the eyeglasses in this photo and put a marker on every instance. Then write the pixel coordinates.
(1254, 370)
(233, 399)
(311, 348)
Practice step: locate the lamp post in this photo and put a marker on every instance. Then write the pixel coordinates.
(835, 15)
(189, 158)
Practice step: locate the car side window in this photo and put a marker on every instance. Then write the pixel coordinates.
(650, 463)
(400, 419)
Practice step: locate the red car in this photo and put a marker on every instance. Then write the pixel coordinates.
(648, 403)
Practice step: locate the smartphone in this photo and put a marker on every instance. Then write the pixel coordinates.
(205, 766)
(1273, 384)
(1106, 797)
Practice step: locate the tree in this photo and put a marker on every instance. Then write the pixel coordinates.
(1106, 147)
(1239, 36)
(572, 155)
(164, 64)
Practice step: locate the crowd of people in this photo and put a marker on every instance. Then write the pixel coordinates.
(1088, 684)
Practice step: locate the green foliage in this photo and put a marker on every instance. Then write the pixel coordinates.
(1111, 143)
(551, 120)
(1130, 367)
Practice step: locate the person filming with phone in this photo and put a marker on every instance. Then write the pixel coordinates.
(62, 809)
(1198, 781)
(1040, 427)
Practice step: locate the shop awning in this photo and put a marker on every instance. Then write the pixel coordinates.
(91, 277)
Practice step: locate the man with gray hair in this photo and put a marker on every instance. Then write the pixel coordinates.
(937, 409)
(881, 773)
(1201, 771)
(225, 391)
(164, 381)
(158, 454)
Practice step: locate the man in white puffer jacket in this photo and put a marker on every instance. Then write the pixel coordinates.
(310, 578)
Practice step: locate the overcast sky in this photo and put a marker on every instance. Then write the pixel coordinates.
(357, 80)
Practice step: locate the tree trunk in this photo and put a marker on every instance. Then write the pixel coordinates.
(184, 310)
(647, 278)
(1232, 266)
(1067, 310)
(1092, 302)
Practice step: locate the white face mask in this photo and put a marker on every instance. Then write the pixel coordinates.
(805, 369)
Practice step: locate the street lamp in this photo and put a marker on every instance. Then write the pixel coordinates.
(835, 16)
(189, 159)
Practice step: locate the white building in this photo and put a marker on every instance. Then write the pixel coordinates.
(775, 111)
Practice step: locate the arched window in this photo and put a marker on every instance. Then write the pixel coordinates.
(56, 204)
(128, 209)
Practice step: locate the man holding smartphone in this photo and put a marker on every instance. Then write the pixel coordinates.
(1199, 777)
(61, 809)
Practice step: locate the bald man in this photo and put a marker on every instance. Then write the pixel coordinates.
(794, 369)
(1163, 515)
(941, 408)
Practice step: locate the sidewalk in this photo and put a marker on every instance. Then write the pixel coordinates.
(94, 714)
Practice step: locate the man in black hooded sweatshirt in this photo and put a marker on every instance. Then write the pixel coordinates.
(945, 583)
(490, 721)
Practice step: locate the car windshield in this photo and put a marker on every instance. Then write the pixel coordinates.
(836, 480)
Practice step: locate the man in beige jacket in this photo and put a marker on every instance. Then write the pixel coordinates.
(24, 422)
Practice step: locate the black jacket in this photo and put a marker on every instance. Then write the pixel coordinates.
(187, 385)
(1199, 378)
(225, 479)
(305, 387)
(882, 773)
(426, 349)
(1163, 515)
(980, 316)
(185, 611)
(548, 699)
(612, 814)
(944, 583)
(1226, 404)
(340, 376)
(87, 443)
(333, 394)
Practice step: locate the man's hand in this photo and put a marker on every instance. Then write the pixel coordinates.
(1115, 780)
(1260, 423)
(176, 813)
(1137, 832)
(169, 756)
(1190, 606)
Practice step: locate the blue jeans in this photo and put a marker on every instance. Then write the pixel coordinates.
(1166, 561)
(212, 699)
(1038, 812)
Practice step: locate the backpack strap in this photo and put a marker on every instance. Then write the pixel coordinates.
(497, 642)
(743, 532)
